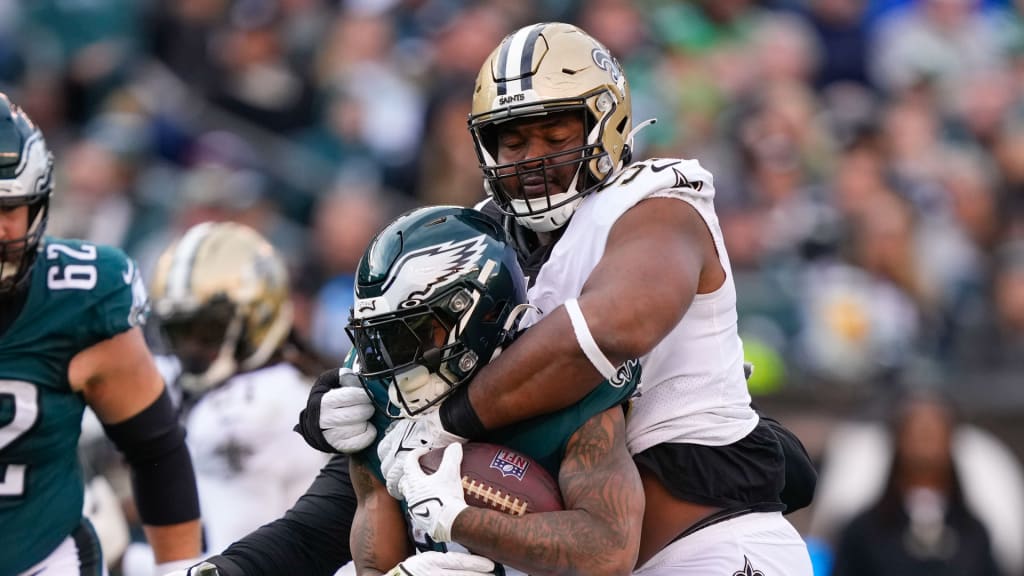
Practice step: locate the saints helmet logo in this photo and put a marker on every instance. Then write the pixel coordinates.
(606, 62)
(747, 569)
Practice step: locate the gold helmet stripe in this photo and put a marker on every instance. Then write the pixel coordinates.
(515, 61)
(179, 278)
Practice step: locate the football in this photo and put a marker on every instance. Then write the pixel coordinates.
(501, 479)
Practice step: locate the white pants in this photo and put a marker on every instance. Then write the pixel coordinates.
(760, 544)
(77, 555)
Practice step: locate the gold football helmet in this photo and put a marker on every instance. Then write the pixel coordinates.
(221, 295)
(541, 69)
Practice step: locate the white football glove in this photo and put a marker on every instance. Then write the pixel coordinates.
(408, 434)
(345, 415)
(434, 500)
(443, 564)
(345, 419)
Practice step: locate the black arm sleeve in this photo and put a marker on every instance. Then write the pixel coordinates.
(310, 539)
(801, 477)
(163, 480)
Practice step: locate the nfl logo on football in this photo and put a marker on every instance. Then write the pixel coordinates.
(510, 464)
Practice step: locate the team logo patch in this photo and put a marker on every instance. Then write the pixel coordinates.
(748, 570)
(606, 62)
(510, 464)
(628, 373)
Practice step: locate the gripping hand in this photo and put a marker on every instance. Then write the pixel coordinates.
(337, 414)
(405, 436)
(434, 500)
(443, 564)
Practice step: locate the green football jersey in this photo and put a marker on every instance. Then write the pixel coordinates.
(543, 438)
(79, 294)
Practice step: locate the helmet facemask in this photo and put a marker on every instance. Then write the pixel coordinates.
(423, 353)
(206, 341)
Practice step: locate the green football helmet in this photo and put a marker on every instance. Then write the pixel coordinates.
(26, 179)
(437, 295)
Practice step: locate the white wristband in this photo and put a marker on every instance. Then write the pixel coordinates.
(586, 340)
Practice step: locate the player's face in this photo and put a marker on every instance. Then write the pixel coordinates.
(13, 226)
(196, 343)
(526, 141)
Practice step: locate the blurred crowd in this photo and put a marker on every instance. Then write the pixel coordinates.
(868, 154)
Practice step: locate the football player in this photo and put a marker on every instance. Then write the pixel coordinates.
(70, 336)
(221, 296)
(438, 294)
(627, 263)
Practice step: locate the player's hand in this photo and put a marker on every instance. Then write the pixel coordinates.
(443, 564)
(406, 435)
(337, 414)
(201, 569)
(434, 500)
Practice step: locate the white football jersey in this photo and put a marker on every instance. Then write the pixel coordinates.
(250, 465)
(692, 388)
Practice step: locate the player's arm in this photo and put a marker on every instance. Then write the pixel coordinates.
(640, 289)
(598, 533)
(378, 539)
(310, 539)
(120, 381)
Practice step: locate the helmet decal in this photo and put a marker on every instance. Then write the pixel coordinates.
(515, 62)
(433, 268)
(605, 62)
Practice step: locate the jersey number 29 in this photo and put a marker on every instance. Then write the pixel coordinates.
(71, 276)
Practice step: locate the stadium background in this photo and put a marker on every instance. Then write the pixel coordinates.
(868, 157)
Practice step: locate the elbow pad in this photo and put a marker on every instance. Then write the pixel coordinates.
(164, 483)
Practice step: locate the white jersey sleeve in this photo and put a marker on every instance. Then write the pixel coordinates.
(692, 386)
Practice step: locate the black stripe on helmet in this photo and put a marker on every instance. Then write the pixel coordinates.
(526, 62)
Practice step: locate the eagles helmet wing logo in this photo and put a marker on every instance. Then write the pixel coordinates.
(420, 273)
(747, 569)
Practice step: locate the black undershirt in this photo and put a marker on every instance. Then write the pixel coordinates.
(11, 307)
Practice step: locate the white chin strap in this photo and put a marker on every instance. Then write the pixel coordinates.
(555, 218)
(552, 219)
(418, 387)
